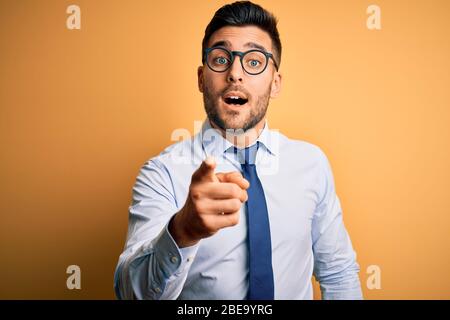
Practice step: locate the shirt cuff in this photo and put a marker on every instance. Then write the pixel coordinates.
(174, 260)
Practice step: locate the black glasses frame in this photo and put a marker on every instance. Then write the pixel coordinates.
(241, 55)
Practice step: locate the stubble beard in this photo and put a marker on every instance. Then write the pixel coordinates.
(228, 119)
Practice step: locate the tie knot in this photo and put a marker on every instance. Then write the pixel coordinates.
(247, 155)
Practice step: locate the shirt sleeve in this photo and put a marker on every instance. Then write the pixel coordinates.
(152, 266)
(335, 265)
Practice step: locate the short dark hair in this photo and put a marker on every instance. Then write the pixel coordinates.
(244, 13)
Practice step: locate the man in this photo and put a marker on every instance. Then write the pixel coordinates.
(239, 211)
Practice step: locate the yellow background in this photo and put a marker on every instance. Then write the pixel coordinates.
(82, 110)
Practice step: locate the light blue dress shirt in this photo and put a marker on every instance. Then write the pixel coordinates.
(307, 230)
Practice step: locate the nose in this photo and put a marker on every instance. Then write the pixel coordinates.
(235, 72)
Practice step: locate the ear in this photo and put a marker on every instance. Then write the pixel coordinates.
(200, 78)
(276, 85)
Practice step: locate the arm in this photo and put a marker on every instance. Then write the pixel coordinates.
(152, 266)
(335, 265)
(160, 250)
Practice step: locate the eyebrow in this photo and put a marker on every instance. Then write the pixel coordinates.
(225, 43)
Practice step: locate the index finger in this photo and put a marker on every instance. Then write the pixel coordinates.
(206, 171)
(234, 177)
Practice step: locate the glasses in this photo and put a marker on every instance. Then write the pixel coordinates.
(253, 62)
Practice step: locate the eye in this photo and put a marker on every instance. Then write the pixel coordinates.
(254, 63)
(221, 60)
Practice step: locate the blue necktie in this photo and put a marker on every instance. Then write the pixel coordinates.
(261, 285)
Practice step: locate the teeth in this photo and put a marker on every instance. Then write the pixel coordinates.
(236, 100)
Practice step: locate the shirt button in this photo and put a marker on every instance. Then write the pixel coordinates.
(174, 259)
(157, 290)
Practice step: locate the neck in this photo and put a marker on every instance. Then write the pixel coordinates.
(239, 138)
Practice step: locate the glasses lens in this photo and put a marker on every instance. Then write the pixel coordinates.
(254, 62)
(219, 60)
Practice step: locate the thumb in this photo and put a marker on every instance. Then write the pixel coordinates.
(206, 171)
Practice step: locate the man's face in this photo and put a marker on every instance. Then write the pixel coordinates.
(255, 89)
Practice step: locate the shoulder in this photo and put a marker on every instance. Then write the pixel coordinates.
(299, 149)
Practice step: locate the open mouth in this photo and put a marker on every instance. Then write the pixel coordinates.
(235, 100)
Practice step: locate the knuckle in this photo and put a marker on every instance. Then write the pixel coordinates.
(235, 191)
(196, 194)
(234, 219)
(236, 205)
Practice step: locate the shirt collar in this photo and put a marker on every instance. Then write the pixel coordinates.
(215, 144)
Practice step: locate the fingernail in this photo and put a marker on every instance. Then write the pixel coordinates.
(210, 160)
